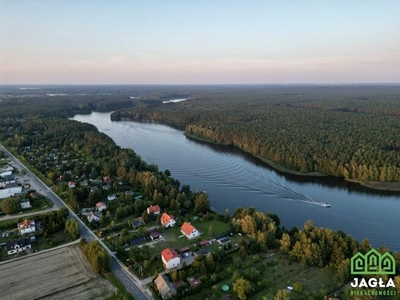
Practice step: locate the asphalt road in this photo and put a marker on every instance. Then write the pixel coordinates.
(131, 282)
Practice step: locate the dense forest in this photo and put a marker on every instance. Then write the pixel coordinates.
(256, 121)
(344, 131)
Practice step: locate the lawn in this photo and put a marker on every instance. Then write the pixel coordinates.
(174, 238)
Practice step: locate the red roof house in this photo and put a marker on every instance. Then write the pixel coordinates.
(155, 209)
(170, 258)
(167, 220)
(189, 230)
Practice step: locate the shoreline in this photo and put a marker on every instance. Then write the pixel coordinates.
(375, 185)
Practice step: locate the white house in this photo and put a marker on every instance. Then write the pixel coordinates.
(27, 226)
(167, 220)
(155, 209)
(189, 231)
(11, 191)
(100, 206)
(111, 197)
(170, 258)
(71, 184)
(93, 217)
(25, 203)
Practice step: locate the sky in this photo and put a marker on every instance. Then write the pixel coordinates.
(199, 41)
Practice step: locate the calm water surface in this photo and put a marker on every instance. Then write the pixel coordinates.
(234, 179)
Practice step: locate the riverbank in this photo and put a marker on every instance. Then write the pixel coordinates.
(383, 186)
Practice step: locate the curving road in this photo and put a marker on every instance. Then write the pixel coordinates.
(131, 282)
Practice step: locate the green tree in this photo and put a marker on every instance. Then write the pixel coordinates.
(72, 228)
(10, 205)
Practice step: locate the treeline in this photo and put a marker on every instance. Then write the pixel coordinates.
(96, 255)
(350, 132)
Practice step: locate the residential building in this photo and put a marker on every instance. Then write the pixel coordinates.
(18, 245)
(27, 226)
(155, 209)
(100, 206)
(189, 231)
(193, 281)
(170, 258)
(25, 203)
(138, 222)
(164, 286)
(111, 197)
(93, 216)
(71, 184)
(167, 220)
(154, 235)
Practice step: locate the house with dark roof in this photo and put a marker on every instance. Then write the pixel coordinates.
(138, 222)
(170, 258)
(164, 286)
(193, 281)
(189, 230)
(154, 235)
(18, 246)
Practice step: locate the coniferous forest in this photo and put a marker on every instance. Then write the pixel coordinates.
(345, 131)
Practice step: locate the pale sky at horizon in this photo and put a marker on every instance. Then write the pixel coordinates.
(199, 42)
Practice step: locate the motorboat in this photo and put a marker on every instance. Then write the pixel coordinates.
(326, 205)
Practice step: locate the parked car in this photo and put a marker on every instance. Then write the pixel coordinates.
(184, 255)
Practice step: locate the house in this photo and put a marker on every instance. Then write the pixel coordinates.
(193, 281)
(170, 258)
(154, 235)
(155, 209)
(204, 243)
(189, 231)
(100, 206)
(27, 226)
(167, 220)
(164, 286)
(18, 246)
(111, 197)
(93, 217)
(106, 179)
(25, 203)
(11, 189)
(71, 184)
(106, 187)
(223, 240)
(138, 222)
(184, 249)
(94, 189)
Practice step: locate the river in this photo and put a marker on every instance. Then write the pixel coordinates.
(233, 179)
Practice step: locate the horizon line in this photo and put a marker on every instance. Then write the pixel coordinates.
(196, 84)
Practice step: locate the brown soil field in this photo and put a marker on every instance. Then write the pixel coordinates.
(59, 274)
